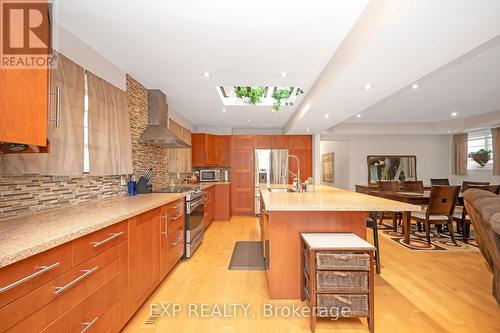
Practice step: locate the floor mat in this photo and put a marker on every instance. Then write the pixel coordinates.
(247, 255)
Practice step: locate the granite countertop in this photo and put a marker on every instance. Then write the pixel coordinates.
(25, 236)
(327, 198)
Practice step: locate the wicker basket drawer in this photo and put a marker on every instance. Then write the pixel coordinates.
(343, 261)
(342, 282)
(329, 304)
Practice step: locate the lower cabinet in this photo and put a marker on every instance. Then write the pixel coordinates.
(222, 202)
(94, 283)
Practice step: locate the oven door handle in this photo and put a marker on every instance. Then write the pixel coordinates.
(195, 204)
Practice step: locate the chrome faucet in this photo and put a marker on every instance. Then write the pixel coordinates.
(299, 186)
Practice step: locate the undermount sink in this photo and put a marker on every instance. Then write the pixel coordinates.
(282, 189)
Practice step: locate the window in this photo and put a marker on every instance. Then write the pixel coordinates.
(476, 141)
(86, 157)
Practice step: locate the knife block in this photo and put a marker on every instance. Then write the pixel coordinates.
(143, 187)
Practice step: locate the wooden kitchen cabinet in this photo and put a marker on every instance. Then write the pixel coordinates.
(280, 142)
(301, 146)
(23, 106)
(144, 240)
(223, 150)
(171, 235)
(209, 205)
(242, 175)
(210, 150)
(222, 202)
(263, 141)
(179, 159)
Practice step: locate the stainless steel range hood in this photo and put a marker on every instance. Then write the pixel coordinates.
(157, 133)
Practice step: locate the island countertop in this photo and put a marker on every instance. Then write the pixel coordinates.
(25, 236)
(328, 198)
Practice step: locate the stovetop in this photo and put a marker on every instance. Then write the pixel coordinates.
(192, 193)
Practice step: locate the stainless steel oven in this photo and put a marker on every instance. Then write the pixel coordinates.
(195, 210)
(209, 175)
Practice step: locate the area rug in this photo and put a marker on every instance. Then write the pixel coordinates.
(247, 255)
(418, 241)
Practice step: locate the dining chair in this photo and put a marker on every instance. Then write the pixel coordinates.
(442, 201)
(412, 186)
(390, 186)
(466, 184)
(440, 181)
(371, 222)
(461, 216)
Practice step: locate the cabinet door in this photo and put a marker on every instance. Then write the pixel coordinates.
(198, 149)
(144, 255)
(223, 150)
(280, 142)
(305, 158)
(263, 141)
(23, 106)
(222, 202)
(300, 141)
(210, 149)
(242, 181)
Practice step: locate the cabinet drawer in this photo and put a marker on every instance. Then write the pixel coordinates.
(176, 222)
(174, 208)
(96, 313)
(342, 282)
(21, 278)
(36, 310)
(343, 261)
(91, 245)
(176, 246)
(332, 303)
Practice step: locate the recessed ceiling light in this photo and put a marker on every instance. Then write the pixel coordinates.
(449, 132)
(323, 132)
(368, 86)
(358, 115)
(454, 114)
(249, 120)
(327, 116)
(223, 110)
(283, 74)
(415, 86)
(273, 110)
(206, 74)
(308, 129)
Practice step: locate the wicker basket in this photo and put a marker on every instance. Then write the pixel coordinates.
(342, 282)
(331, 303)
(343, 261)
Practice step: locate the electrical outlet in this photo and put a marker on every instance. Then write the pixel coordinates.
(123, 180)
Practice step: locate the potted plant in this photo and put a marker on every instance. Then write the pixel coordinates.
(481, 157)
(282, 94)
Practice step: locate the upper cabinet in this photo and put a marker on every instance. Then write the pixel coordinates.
(24, 99)
(210, 150)
(179, 159)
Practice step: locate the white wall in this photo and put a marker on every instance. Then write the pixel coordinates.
(432, 151)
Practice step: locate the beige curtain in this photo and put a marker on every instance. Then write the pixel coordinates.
(459, 154)
(495, 133)
(110, 141)
(65, 157)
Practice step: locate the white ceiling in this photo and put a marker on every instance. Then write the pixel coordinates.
(168, 44)
(468, 86)
(422, 36)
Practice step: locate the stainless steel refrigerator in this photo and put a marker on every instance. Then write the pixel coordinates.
(271, 167)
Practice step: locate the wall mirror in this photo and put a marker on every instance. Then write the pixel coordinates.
(391, 167)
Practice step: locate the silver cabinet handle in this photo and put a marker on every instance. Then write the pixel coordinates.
(86, 273)
(40, 271)
(177, 217)
(113, 236)
(164, 218)
(88, 325)
(176, 242)
(57, 119)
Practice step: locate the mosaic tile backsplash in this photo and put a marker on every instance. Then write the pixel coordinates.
(25, 194)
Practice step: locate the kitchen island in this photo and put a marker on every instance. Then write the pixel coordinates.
(285, 213)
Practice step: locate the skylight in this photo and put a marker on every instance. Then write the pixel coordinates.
(276, 97)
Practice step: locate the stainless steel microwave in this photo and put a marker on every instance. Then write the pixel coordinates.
(209, 175)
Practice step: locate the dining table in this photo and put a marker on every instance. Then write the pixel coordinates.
(414, 198)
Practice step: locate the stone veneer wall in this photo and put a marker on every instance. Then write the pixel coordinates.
(144, 156)
(30, 193)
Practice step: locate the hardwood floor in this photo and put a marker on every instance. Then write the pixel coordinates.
(416, 292)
